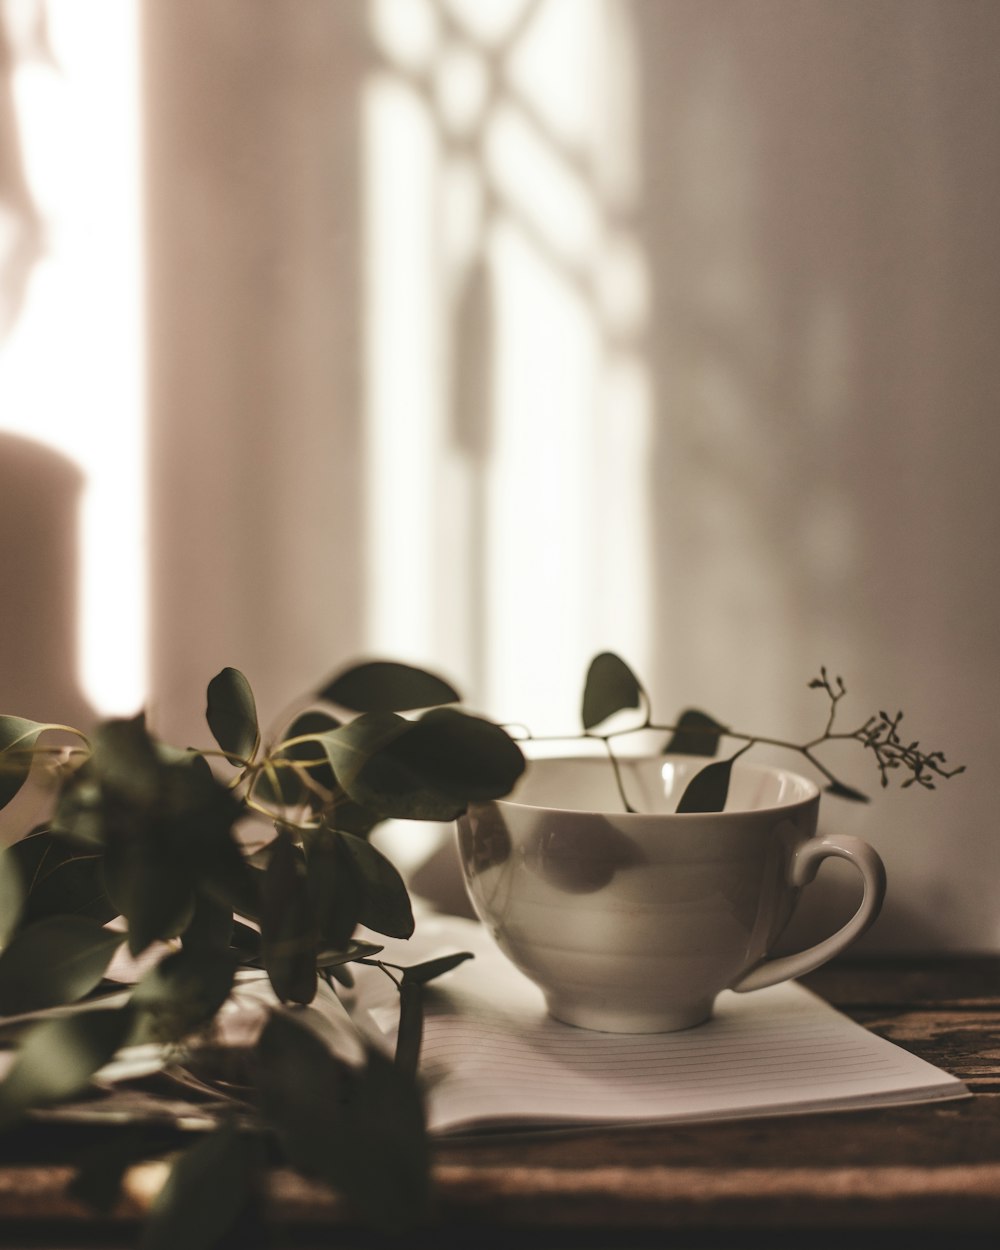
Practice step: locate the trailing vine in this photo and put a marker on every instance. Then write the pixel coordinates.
(611, 687)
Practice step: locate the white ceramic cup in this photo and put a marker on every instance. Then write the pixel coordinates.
(634, 923)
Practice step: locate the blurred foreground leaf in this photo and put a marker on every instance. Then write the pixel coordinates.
(208, 1188)
(183, 992)
(359, 1130)
(98, 1179)
(54, 961)
(11, 896)
(162, 823)
(58, 1058)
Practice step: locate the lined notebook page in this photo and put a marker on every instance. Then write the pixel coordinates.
(494, 1058)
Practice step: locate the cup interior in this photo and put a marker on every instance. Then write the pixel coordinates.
(654, 785)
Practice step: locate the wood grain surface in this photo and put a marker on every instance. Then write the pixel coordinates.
(929, 1173)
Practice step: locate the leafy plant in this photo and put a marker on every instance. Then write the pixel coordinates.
(247, 854)
(256, 854)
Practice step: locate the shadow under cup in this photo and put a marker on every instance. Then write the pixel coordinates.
(633, 923)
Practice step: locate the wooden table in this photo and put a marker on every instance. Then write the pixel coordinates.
(930, 1175)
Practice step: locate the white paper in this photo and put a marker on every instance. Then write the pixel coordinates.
(492, 1057)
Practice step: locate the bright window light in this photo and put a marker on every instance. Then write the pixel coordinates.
(403, 375)
(71, 369)
(508, 404)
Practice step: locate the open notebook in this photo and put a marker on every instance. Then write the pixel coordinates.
(493, 1058)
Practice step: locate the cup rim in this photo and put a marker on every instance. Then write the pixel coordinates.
(811, 796)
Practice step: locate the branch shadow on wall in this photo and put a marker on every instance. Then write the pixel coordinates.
(21, 232)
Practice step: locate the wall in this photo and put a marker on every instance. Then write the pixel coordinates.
(814, 214)
(251, 159)
(822, 181)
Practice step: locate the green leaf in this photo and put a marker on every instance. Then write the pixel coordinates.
(388, 1125)
(362, 1132)
(238, 887)
(211, 926)
(58, 1058)
(697, 733)
(611, 686)
(460, 755)
(232, 715)
(341, 973)
(350, 817)
(17, 739)
(19, 734)
(386, 686)
(195, 821)
(125, 761)
(356, 950)
(98, 1179)
(183, 992)
(336, 888)
(708, 789)
(80, 813)
(340, 811)
(428, 769)
(303, 1089)
(54, 961)
(411, 1026)
(385, 903)
(246, 942)
(431, 968)
(12, 894)
(288, 934)
(150, 888)
(163, 822)
(209, 1187)
(846, 792)
(68, 884)
(289, 789)
(370, 774)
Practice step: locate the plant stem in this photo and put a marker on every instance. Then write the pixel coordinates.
(616, 768)
(377, 963)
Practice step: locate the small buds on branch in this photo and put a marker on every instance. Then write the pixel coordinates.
(611, 686)
(881, 735)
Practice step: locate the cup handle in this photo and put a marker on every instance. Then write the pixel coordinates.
(801, 870)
